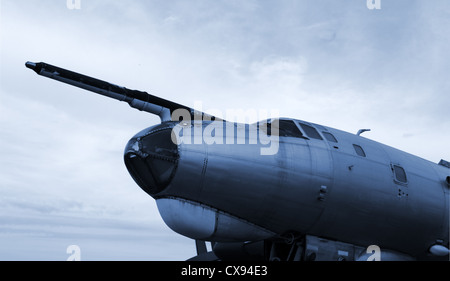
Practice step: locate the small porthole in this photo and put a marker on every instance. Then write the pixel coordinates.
(400, 174)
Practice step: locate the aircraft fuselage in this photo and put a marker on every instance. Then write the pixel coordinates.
(342, 187)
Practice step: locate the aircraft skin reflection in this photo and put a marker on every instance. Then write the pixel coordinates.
(324, 194)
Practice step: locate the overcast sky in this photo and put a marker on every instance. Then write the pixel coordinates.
(336, 63)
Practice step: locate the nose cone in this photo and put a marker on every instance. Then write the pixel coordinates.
(151, 158)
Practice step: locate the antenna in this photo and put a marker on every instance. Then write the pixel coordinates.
(362, 131)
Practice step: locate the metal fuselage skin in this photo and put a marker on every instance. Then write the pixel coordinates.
(230, 192)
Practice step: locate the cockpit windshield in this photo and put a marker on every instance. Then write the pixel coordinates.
(282, 128)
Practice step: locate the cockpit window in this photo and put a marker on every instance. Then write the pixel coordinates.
(329, 137)
(286, 128)
(310, 131)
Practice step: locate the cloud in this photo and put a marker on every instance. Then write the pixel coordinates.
(62, 185)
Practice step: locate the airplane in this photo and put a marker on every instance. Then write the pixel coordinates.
(281, 189)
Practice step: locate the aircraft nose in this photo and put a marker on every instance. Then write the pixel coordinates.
(152, 159)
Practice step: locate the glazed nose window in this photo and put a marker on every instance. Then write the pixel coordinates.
(152, 160)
